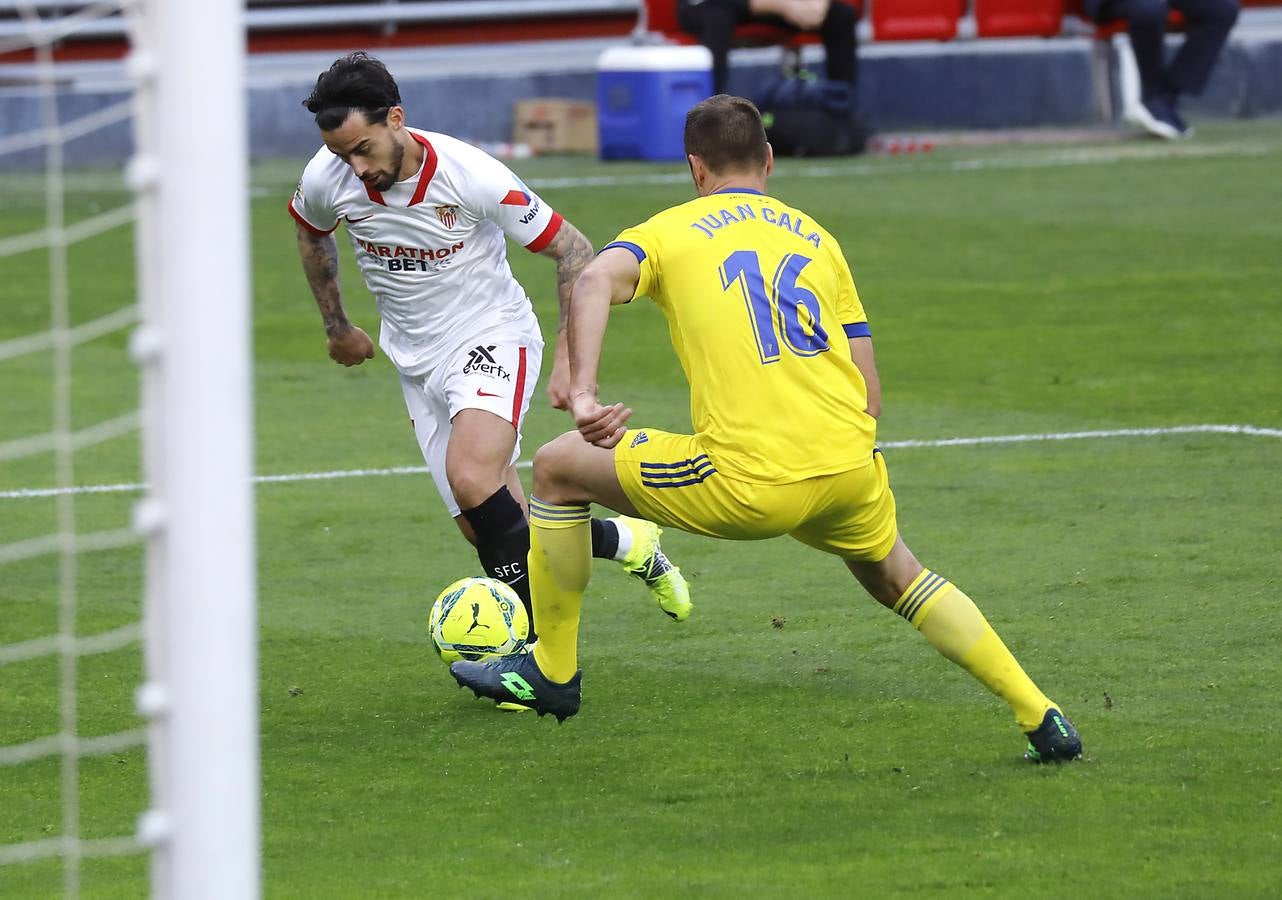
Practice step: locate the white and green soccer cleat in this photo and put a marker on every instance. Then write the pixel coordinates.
(646, 561)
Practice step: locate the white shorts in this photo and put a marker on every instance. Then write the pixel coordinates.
(497, 373)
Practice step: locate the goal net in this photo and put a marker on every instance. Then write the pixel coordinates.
(128, 698)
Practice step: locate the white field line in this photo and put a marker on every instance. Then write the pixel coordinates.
(65, 846)
(1253, 430)
(1086, 156)
(1082, 156)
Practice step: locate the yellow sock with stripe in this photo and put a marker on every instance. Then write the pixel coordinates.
(952, 623)
(560, 565)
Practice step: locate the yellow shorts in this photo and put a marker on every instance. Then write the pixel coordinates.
(670, 480)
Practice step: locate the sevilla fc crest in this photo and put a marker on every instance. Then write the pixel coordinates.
(448, 215)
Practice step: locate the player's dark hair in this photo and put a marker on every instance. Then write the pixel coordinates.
(356, 81)
(727, 134)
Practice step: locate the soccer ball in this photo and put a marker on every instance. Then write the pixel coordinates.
(477, 618)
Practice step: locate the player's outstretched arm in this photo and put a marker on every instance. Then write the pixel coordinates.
(611, 278)
(348, 344)
(572, 252)
(861, 353)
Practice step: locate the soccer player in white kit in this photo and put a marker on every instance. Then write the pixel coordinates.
(427, 216)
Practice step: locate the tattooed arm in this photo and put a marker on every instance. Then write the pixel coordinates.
(348, 344)
(572, 252)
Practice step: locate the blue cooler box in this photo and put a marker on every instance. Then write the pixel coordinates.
(643, 95)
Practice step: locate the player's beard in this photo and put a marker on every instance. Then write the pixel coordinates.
(398, 157)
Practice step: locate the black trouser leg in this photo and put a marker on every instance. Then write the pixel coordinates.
(712, 22)
(839, 38)
(1146, 23)
(1208, 24)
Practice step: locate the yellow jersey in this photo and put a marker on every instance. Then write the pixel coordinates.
(759, 302)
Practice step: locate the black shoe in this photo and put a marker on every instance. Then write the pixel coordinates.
(1157, 115)
(517, 679)
(1055, 740)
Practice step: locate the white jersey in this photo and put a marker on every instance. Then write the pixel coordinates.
(431, 247)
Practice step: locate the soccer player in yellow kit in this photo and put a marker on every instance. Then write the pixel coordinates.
(784, 395)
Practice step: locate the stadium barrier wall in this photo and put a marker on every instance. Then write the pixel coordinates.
(994, 84)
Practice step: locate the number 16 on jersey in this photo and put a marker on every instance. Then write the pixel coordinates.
(787, 308)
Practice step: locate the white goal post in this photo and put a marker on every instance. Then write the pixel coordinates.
(200, 696)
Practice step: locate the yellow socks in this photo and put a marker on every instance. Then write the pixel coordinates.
(560, 565)
(956, 628)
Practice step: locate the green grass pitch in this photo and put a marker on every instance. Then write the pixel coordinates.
(792, 739)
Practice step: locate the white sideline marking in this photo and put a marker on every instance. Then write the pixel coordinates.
(26, 493)
(1083, 156)
(1081, 435)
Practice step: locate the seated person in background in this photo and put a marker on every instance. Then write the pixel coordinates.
(713, 22)
(1207, 22)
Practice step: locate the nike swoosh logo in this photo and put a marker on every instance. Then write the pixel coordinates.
(351, 221)
(481, 393)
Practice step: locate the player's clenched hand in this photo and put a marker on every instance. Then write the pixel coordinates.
(351, 346)
(599, 425)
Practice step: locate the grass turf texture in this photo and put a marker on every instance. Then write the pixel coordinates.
(837, 754)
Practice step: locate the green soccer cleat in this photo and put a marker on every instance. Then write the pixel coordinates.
(1055, 740)
(517, 679)
(646, 561)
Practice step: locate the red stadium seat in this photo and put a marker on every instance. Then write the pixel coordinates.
(1019, 18)
(916, 20)
(661, 18)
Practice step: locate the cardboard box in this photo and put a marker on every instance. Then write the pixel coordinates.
(553, 125)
